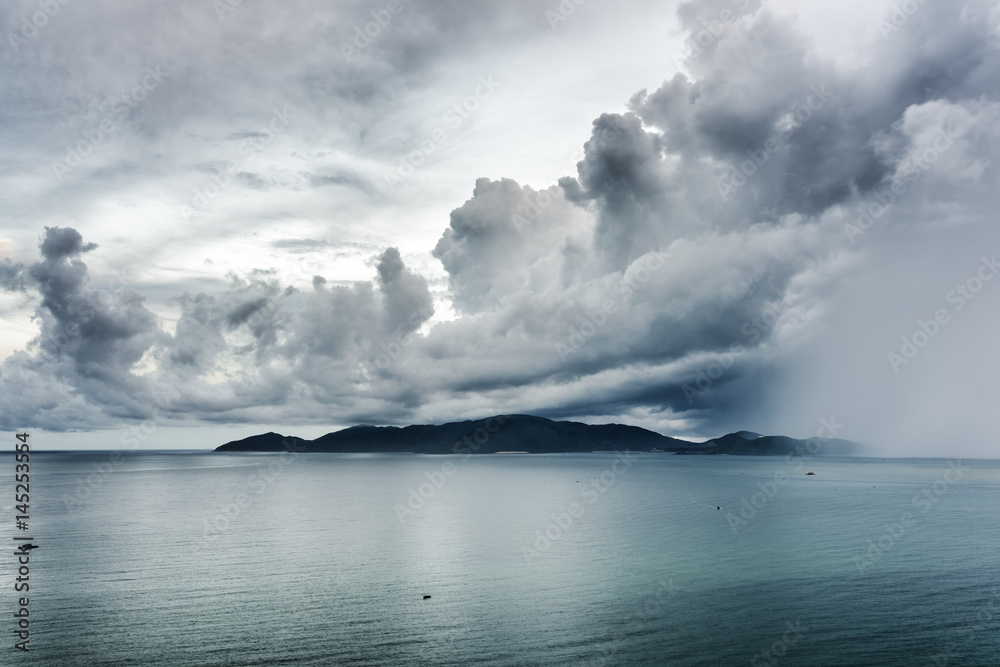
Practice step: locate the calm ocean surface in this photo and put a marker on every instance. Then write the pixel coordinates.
(245, 559)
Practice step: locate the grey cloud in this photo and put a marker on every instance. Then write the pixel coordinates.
(652, 180)
(61, 242)
(336, 323)
(11, 275)
(89, 340)
(242, 313)
(694, 15)
(303, 245)
(102, 336)
(348, 178)
(643, 226)
(408, 302)
(624, 172)
(500, 237)
(197, 339)
(251, 180)
(252, 303)
(221, 79)
(761, 73)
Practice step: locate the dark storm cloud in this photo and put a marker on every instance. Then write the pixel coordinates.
(264, 337)
(250, 304)
(197, 339)
(408, 302)
(89, 341)
(104, 337)
(701, 238)
(815, 136)
(624, 173)
(314, 341)
(59, 243)
(824, 123)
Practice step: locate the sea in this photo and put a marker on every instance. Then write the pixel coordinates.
(191, 558)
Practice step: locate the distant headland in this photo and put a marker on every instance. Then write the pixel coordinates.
(535, 435)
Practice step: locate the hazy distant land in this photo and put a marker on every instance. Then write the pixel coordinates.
(535, 435)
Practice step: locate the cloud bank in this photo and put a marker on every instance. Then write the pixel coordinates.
(730, 253)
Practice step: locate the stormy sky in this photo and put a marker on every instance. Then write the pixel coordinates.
(221, 217)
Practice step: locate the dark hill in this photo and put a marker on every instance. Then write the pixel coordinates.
(266, 442)
(524, 433)
(744, 443)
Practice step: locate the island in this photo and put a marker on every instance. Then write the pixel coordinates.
(535, 435)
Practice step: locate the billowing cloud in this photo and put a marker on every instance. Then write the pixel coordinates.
(698, 272)
(505, 239)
